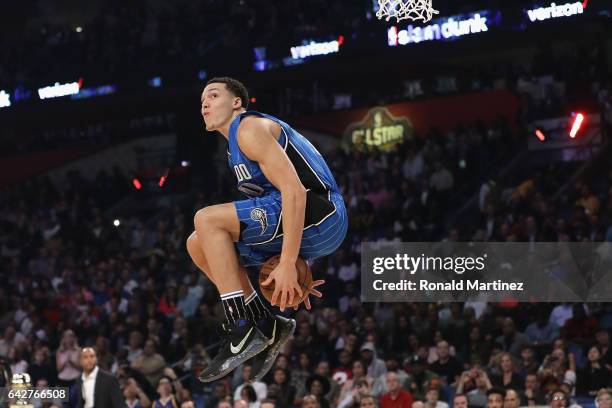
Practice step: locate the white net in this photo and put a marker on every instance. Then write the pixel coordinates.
(406, 9)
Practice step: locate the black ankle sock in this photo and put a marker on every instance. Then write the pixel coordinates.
(233, 305)
(256, 308)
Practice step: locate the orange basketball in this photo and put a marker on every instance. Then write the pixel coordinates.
(303, 273)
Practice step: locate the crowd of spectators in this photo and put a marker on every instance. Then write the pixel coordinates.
(91, 135)
(72, 279)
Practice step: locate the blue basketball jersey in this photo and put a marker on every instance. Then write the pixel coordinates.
(310, 166)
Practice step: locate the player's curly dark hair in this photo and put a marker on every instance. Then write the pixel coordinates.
(235, 87)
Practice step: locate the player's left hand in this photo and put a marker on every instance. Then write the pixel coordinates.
(286, 285)
(311, 291)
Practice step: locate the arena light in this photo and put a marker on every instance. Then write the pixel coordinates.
(57, 90)
(136, 183)
(5, 99)
(540, 135)
(162, 179)
(578, 121)
(155, 82)
(184, 163)
(116, 223)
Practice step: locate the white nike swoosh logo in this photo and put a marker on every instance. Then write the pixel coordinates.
(273, 334)
(236, 349)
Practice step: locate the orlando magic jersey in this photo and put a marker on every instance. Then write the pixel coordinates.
(260, 216)
(310, 166)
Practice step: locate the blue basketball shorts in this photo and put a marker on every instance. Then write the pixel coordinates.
(261, 234)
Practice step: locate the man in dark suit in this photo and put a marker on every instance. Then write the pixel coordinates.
(96, 388)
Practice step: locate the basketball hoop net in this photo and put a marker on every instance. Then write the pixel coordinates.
(406, 9)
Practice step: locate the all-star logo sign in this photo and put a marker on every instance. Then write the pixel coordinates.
(378, 129)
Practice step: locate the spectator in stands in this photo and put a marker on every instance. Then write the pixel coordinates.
(441, 179)
(594, 376)
(96, 387)
(478, 396)
(604, 398)
(495, 398)
(421, 376)
(511, 399)
(150, 363)
(447, 367)
(352, 397)
(105, 357)
(432, 399)
(602, 338)
(528, 363)
(224, 404)
(248, 395)
(477, 348)
(300, 374)
(368, 401)
(134, 396)
(67, 359)
(11, 338)
(511, 340)
(268, 403)
(261, 389)
(558, 399)
(561, 313)
(375, 366)
(167, 397)
(323, 370)
(134, 346)
(396, 397)
(557, 367)
(532, 394)
(310, 401)
(18, 364)
(380, 384)
(508, 378)
(580, 328)
(286, 391)
(188, 404)
(318, 386)
(42, 367)
(460, 401)
(543, 331)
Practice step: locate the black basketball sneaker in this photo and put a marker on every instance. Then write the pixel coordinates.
(278, 331)
(243, 341)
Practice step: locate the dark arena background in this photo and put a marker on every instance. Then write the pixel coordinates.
(489, 123)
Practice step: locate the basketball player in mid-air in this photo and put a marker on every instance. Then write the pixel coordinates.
(293, 209)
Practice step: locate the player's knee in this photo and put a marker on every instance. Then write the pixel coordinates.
(204, 219)
(192, 242)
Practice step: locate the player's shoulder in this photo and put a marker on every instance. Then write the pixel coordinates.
(256, 125)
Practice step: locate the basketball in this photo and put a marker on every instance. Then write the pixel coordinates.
(304, 279)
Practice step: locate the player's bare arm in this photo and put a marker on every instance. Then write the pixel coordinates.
(257, 139)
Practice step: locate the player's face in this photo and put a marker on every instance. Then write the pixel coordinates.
(218, 105)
